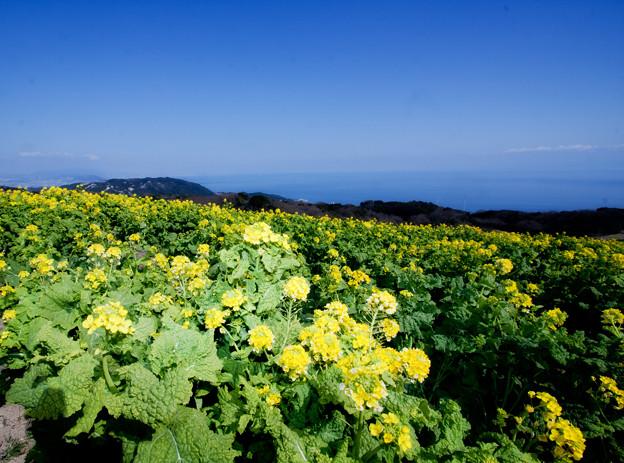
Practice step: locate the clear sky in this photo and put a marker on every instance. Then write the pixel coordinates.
(180, 88)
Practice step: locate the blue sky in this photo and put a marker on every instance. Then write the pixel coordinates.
(181, 88)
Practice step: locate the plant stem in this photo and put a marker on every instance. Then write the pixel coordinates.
(225, 330)
(107, 376)
(358, 436)
(371, 453)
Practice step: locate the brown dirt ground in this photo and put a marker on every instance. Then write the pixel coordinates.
(15, 440)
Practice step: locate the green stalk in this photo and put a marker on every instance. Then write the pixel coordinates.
(225, 330)
(358, 437)
(107, 376)
(370, 454)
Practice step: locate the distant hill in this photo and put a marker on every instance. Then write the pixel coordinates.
(156, 187)
(598, 223)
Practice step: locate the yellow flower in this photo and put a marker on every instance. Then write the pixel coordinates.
(415, 364)
(555, 318)
(296, 289)
(214, 318)
(389, 418)
(273, 399)
(134, 237)
(261, 337)
(94, 278)
(404, 440)
(233, 299)
(382, 300)
(375, 428)
(112, 317)
(504, 265)
(294, 361)
(203, 250)
(387, 437)
(95, 249)
(612, 316)
(8, 315)
(390, 328)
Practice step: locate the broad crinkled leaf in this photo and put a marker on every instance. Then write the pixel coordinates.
(270, 296)
(196, 353)
(144, 327)
(27, 390)
(289, 445)
(61, 395)
(60, 347)
(58, 301)
(92, 406)
(187, 438)
(149, 399)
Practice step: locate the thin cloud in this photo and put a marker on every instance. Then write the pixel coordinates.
(57, 154)
(553, 148)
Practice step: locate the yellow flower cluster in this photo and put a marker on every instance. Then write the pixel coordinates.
(134, 237)
(338, 310)
(382, 300)
(3, 337)
(196, 285)
(294, 361)
(273, 398)
(321, 338)
(504, 266)
(260, 338)
(161, 260)
(356, 277)
(94, 278)
(42, 264)
(158, 299)
(392, 431)
(203, 250)
(215, 318)
(260, 232)
(8, 315)
(612, 317)
(6, 289)
(389, 328)
(182, 271)
(296, 289)
(113, 254)
(233, 299)
(568, 439)
(609, 390)
(96, 249)
(555, 318)
(112, 317)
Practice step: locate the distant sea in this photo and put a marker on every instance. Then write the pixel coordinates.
(467, 191)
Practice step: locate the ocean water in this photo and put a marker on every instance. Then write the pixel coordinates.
(468, 191)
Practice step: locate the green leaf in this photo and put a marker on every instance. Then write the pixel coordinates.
(270, 297)
(187, 438)
(61, 348)
(92, 406)
(58, 301)
(61, 395)
(196, 353)
(27, 390)
(148, 399)
(144, 327)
